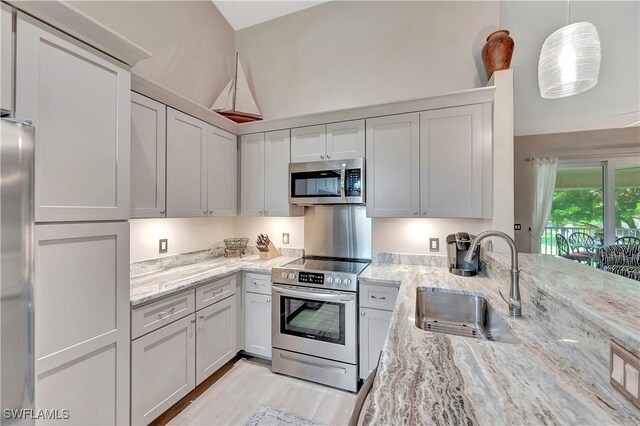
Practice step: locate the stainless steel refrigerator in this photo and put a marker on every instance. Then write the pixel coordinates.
(16, 270)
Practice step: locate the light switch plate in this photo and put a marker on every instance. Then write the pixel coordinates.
(285, 238)
(434, 244)
(163, 245)
(624, 368)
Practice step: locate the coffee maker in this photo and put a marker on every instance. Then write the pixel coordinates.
(457, 247)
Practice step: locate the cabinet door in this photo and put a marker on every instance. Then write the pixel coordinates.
(374, 326)
(6, 52)
(308, 144)
(82, 320)
(451, 162)
(393, 166)
(216, 341)
(148, 150)
(80, 106)
(252, 177)
(277, 147)
(222, 173)
(186, 165)
(162, 369)
(345, 140)
(257, 324)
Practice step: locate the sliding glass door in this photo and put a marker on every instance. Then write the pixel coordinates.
(594, 203)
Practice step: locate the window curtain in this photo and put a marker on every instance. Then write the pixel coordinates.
(544, 183)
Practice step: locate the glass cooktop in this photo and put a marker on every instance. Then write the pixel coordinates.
(327, 264)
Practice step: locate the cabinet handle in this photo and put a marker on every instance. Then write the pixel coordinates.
(322, 157)
(362, 313)
(163, 212)
(265, 212)
(378, 298)
(211, 212)
(328, 157)
(193, 321)
(268, 300)
(204, 212)
(201, 316)
(260, 212)
(415, 213)
(169, 312)
(424, 213)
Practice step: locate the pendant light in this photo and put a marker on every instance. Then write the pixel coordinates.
(569, 61)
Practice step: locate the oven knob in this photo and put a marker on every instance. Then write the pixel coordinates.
(329, 279)
(284, 275)
(347, 281)
(292, 276)
(339, 280)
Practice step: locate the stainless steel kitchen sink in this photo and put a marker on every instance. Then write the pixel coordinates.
(460, 314)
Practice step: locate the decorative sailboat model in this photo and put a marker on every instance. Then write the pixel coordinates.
(236, 102)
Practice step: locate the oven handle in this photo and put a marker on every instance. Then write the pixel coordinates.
(315, 296)
(343, 181)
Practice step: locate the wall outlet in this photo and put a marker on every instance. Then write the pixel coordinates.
(434, 244)
(517, 227)
(285, 238)
(163, 245)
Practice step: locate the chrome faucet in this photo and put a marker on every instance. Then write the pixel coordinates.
(514, 302)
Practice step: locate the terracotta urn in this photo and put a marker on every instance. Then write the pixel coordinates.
(497, 52)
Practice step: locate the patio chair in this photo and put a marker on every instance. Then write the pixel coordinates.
(621, 259)
(565, 251)
(627, 241)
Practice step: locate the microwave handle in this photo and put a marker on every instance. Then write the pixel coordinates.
(343, 181)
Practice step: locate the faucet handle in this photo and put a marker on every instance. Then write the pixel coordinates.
(514, 306)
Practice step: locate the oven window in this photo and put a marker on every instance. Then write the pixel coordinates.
(312, 319)
(325, 183)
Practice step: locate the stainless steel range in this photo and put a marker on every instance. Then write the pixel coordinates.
(315, 299)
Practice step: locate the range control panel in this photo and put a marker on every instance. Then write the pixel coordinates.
(321, 279)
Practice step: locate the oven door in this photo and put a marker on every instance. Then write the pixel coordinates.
(327, 182)
(315, 322)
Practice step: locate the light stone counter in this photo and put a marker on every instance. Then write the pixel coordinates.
(557, 375)
(154, 279)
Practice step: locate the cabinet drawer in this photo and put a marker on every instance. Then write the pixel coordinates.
(215, 291)
(378, 296)
(257, 283)
(158, 314)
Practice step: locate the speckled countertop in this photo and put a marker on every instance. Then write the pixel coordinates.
(151, 280)
(557, 375)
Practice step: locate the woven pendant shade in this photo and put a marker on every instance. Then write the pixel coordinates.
(569, 61)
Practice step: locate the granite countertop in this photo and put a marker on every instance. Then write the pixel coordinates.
(557, 375)
(151, 280)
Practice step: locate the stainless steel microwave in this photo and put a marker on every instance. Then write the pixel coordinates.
(327, 182)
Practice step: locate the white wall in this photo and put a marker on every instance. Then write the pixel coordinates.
(191, 234)
(618, 89)
(191, 42)
(343, 54)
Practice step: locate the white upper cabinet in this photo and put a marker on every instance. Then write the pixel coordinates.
(264, 163)
(276, 173)
(345, 140)
(6, 51)
(252, 178)
(186, 165)
(148, 149)
(80, 105)
(308, 144)
(222, 173)
(335, 141)
(451, 162)
(393, 166)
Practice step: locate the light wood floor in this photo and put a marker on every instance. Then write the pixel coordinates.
(249, 382)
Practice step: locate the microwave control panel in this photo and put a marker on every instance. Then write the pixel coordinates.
(354, 182)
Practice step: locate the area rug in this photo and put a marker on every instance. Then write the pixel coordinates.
(269, 416)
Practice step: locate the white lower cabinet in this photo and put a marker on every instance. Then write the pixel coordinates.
(216, 342)
(169, 362)
(162, 369)
(374, 325)
(257, 315)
